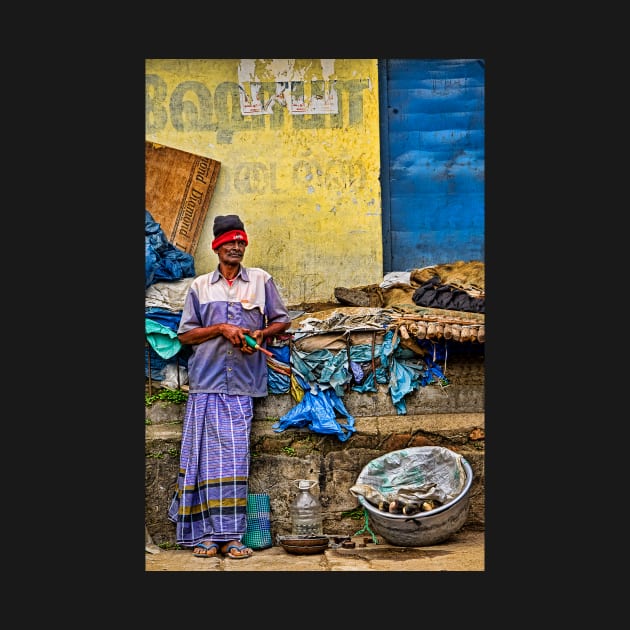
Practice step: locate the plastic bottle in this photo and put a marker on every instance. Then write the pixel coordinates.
(306, 511)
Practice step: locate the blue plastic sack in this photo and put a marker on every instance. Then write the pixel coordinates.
(162, 260)
(279, 370)
(316, 411)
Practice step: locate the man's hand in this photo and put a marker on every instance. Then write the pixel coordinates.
(236, 336)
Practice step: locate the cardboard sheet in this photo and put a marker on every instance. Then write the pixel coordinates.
(178, 190)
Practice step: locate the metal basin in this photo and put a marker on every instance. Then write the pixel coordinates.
(425, 528)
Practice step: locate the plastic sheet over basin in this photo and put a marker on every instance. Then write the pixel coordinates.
(424, 528)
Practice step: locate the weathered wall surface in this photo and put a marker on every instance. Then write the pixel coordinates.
(298, 142)
(451, 417)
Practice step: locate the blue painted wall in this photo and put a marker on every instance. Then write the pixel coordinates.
(432, 158)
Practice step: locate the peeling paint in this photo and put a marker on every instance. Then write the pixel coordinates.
(285, 69)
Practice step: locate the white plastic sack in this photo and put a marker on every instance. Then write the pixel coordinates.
(413, 475)
(167, 295)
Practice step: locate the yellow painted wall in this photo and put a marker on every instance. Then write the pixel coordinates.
(305, 184)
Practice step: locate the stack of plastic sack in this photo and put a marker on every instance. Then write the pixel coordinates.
(168, 274)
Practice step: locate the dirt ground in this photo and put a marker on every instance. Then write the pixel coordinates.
(465, 551)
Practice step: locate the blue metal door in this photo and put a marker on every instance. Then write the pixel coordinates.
(432, 160)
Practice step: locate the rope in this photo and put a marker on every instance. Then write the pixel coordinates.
(366, 527)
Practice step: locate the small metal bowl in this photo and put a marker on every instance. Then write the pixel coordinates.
(303, 541)
(300, 550)
(303, 544)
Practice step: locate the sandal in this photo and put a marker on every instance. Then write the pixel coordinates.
(230, 547)
(208, 549)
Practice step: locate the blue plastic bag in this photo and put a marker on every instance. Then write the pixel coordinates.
(162, 260)
(316, 411)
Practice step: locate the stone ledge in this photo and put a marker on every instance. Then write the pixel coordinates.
(451, 426)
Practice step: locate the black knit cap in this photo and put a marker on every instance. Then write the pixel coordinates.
(227, 223)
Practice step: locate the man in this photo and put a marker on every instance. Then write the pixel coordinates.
(225, 374)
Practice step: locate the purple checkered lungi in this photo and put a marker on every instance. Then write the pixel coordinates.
(211, 497)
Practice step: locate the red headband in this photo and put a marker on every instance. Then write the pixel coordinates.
(232, 235)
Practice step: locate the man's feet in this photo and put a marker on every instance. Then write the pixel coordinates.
(234, 549)
(205, 549)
